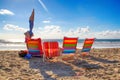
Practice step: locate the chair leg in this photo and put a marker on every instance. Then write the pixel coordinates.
(44, 58)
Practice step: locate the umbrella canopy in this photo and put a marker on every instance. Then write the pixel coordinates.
(31, 23)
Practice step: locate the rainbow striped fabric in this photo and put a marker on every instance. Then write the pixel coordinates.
(34, 47)
(69, 45)
(51, 49)
(87, 44)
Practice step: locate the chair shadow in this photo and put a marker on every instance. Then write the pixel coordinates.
(48, 69)
(103, 60)
(84, 64)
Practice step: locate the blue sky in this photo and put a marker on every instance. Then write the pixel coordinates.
(58, 18)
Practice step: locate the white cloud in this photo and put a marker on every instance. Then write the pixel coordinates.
(108, 34)
(9, 36)
(14, 27)
(6, 12)
(80, 31)
(70, 32)
(104, 33)
(53, 31)
(49, 31)
(84, 30)
(46, 21)
(52, 28)
(56, 32)
(43, 5)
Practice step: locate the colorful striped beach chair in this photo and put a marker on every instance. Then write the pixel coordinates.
(34, 47)
(88, 42)
(51, 49)
(69, 46)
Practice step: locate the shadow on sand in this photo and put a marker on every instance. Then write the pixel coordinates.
(54, 70)
(51, 70)
(84, 63)
(102, 60)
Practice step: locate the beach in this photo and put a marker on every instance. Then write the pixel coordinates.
(101, 64)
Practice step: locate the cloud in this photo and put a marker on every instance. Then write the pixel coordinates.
(70, 32)
(6, 12)
(55, 31)
(50, 31)
(46, 21)
(9, 36)
(77, 32)
(104, 33)
(43, 5)
(84, 30)
(109, 34)
(14, 27)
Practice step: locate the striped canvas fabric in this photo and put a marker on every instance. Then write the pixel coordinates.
(69, 45)
(87, 44)
(51, 49)
(34, 47)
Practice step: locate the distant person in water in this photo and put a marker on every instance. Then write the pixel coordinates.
(28, 35)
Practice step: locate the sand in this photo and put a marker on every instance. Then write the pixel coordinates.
(101, 64)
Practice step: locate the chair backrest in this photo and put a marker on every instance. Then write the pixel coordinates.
(69, 45)
(51, 49)
(35, 47)
(88, 42)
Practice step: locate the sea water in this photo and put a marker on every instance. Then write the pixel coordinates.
(99, 43)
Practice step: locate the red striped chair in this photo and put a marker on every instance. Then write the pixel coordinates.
(88, 42)
(69, 46)
(34, 47)
(51, 49)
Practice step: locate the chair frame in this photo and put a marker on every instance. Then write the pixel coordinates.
(39, 45)
(87, 46)
(71, 41)
(45, 58)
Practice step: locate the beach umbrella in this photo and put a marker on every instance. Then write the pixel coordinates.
(31, 23)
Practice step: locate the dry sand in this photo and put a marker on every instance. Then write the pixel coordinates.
(102, 64)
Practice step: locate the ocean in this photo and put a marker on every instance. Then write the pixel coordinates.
(99, 43)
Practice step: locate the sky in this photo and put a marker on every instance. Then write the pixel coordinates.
(55, 19)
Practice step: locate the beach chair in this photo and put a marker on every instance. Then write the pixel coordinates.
(34, 47)
(88, 42)
(69, 47)
(51, 50)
